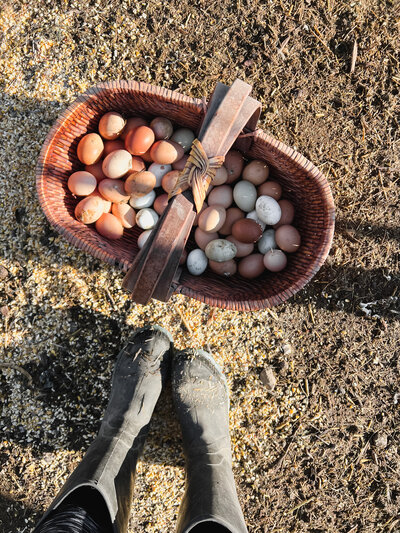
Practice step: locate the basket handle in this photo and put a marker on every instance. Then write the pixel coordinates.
(154, 272)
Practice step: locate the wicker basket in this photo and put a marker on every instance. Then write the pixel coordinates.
(302, 182)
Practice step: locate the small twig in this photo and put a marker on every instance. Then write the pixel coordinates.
(19, 369)
(354, 56)
(184, 321)
(302, 504)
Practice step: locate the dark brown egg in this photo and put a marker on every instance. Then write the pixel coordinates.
(252, 266)
(270, 188)
(233, 163)
(287, 213)
(246, 230)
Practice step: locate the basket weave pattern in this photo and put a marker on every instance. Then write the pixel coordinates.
(302, 182)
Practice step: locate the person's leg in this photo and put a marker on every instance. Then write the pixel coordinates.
(102, 484)
(210, 502)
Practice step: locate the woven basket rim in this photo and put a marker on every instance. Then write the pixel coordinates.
(277, 146)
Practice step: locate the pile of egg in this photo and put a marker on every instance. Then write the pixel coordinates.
(131, 165)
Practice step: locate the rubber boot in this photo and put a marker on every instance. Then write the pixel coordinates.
(108, 467)
(201, 401)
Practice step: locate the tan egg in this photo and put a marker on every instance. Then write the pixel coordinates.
(140, 183)
(181, 163)
(226, 268)
(275, 260)
(246, 230)
(117, 164)
(97, 170)
(125, 214)
(232, 215)
(256, 172)
(212, 218)
(252, 266)
(109, 226)
(131, 124)
(287, 213)
(243, 248)
(288, 238)
(82, 183)
(169, 180)
(90, 148)
(89, 209)
(221, 176)
(137, 165)
(111, 146)
(139, 140)
(166, 152)
(270, 188)
(196, 220)
(202, 238)
(162, 127)
(113, 191)
(107, 203)
(147, 156)
(160, 203)
(221, 195)
(233, 163)
(111, 125)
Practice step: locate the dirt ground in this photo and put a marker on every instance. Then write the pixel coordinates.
(320, 453)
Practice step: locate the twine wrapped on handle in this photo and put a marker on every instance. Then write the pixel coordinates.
(197, 174)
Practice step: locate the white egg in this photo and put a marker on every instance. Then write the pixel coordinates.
(245, 195)
(196, 262)
(253, 216)
(159, 171)
(268, 210)
(220, 250)
(144, 201)
(146, 218)
(267, 241)
(143, 238)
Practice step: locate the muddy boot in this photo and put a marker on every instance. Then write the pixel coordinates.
(104, 480)
(201, 400)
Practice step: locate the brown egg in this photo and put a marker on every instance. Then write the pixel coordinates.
(246, 230)
(160, 203)
(90, 148)
(252, 266)
(166, 152)
(137, 165)
(221, 195)
(202, 238)
(169, 180)
(234, 165)
(89, 209)
(275, 260)
(125, 214)
(196, 220)
(131, 124)
(111, 125)
(111, 146)
(107, 203)
(147, 156)
(226, 268)
(221, 176)
(140, 183)
(82, 183)
(212, 218)
(242, 248)
(270, 188)
(287, 238)
(162, 128)
(96, 170)
(180, 164)
(139, 140)
(256, 172)
(109, 226)
(113, 191)
(117, 164)
(232, 215)
(287, 213)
